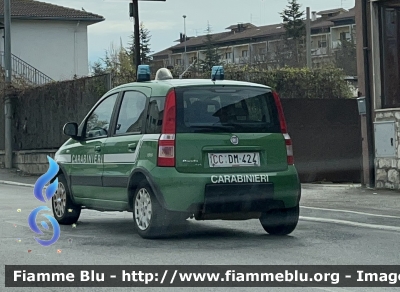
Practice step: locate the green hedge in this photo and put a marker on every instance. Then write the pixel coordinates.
(294, 82)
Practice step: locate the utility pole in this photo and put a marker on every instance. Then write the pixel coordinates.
(137, 32)
(308, 38)
(134, 12)
(368, 149)
(7, 97)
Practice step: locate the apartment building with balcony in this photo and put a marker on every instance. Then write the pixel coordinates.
(245, 43)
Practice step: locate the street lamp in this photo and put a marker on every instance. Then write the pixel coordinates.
(184, 31)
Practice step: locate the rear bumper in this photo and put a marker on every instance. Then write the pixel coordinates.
(226, 193)
(232, 198)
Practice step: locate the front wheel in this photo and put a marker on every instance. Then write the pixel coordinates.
(280, 221)
(64, 210)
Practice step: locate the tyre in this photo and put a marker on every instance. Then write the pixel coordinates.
(150, 218)
(64, 210)
(280, 221)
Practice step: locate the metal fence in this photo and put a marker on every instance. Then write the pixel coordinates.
(21, 69)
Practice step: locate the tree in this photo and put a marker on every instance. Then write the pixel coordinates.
(145, 50)
(346, 57)
(293, 22)
(117, 61)
(212, 57)
(98, 69)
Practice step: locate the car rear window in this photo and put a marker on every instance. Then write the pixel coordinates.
(237, 109)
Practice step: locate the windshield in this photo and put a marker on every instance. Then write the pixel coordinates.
(229, 109)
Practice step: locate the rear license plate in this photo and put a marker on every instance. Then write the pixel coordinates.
(233, 159)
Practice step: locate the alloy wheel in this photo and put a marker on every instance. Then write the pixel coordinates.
(143, 209)
(60, 200)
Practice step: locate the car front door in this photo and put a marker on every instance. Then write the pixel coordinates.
(120, 149)
(87, 154)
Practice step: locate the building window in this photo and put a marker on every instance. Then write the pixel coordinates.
(345, 36)
(245, 53)
(178, 62)
(390, 55)
(228, 55)
(322, 44)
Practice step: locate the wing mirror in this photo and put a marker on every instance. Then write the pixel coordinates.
(71, 129)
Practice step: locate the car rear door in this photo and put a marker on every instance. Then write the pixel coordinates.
(121, 148)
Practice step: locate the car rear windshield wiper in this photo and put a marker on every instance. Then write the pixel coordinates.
(213, 128)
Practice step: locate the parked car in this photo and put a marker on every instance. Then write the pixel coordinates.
(172, 149)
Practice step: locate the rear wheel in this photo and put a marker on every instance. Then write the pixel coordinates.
(150, 218)
(64, 210)
(280, 221)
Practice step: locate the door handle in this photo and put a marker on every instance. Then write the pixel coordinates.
(97, 148)
(132, 146)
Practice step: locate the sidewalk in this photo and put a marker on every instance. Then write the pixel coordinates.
(351, 198)
(326, 196)
(16, 177)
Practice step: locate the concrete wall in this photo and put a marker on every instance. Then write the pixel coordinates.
(57, 48)
(31, 162)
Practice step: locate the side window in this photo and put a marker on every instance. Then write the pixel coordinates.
(155, 115)
(98, 123)
(131, 114)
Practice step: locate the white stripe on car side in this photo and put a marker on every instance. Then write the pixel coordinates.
(121, 158)
(63, 158)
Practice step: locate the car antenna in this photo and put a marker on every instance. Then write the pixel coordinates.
(180, 76)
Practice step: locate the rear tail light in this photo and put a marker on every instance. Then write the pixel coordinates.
(166, 143)
(289, 149)
(282, 121)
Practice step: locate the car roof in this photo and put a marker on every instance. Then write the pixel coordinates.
(161, 87)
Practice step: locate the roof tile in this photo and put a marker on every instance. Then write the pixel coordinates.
(37, 9)
(345, 15)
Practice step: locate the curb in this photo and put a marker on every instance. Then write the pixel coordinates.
(332, 185)
(5, 182)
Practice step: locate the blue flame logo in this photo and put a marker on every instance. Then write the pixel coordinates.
(49, 192)
(44, 179)
(35, 228)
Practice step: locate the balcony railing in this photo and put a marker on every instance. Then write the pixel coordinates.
(21, 69)
(319, 51)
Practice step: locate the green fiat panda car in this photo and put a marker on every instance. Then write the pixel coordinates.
(172, 149)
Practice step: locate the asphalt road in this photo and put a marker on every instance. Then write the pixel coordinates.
(322, 237)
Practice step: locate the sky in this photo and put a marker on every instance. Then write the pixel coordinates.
(164, 19)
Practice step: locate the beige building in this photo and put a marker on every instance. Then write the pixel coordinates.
(246, 43)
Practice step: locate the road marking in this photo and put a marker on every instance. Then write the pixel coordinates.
(344, 222)
(5, 182)
(353, 212)
(330, 289)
